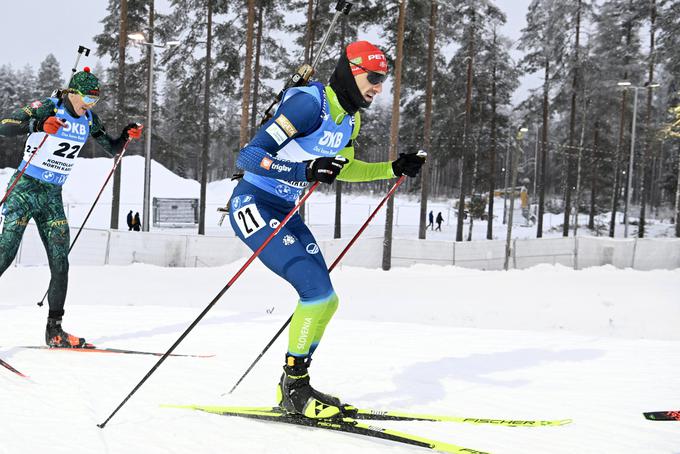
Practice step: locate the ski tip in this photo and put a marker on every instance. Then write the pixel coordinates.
(191, 407)
(563, 422)
(672, 415)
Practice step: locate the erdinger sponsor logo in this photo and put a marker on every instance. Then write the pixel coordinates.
(312, 248)
(266, 163)
(304, 333)
(286, 125)
(281, 167)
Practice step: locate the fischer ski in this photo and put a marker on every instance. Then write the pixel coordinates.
(6, 365)
(348, 425)
(385, 415)
(672, 415)
(111, 350)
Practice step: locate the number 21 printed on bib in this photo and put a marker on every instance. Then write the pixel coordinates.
(249, 220)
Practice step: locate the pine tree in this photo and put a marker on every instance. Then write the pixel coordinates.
(616, 57)
(427, 127)
(394, 129)
(668, 45)
(648, 139)
(544, 38)
(49, 76)
(27, 90)
(10, 85)
(126, 81)
(186, 66)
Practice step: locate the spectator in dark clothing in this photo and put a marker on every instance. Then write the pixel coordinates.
(430, 218)
(129, 220)
(440, 219)
(137, 224)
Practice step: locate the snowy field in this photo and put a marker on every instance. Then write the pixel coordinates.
(599, 346)
(88, 176)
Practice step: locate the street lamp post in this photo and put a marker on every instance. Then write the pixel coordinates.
(631, 159)
(140, 40)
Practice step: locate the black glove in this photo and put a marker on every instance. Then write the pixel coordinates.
(325, 170)
(408, 164)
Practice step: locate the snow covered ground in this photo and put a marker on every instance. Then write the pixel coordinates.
(599, 346)
(89, 174)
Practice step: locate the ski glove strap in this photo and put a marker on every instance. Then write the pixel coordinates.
(325, 170)
(408, 164)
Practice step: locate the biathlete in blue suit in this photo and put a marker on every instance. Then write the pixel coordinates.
(309, 138)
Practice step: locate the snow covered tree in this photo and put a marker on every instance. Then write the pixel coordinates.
(27, 90)
(616, 54)
(10, 84)
(126, 82)
(49, 76)
(544, 39)
(648, 139)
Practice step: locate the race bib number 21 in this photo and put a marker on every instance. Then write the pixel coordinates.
(249, 220)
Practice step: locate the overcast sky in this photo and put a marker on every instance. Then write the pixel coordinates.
(70, 23)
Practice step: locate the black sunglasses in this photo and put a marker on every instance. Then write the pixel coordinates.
(373, 77)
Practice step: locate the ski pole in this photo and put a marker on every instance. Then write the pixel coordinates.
(23, 169)
(212, 303)
(115, 165)
(337, 260)
(305, 72)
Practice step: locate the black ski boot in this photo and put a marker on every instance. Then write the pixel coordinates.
(56, 337)
(296, 396)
